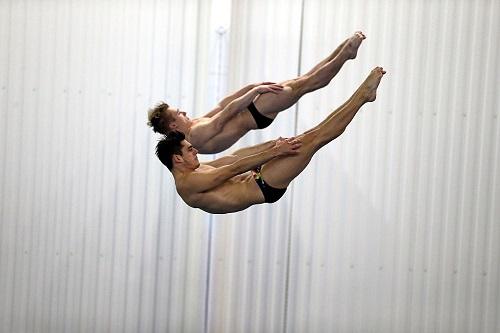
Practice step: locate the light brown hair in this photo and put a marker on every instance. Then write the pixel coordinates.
(159, 119)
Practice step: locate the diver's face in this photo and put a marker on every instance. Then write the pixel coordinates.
(179, 120)
(189, 155)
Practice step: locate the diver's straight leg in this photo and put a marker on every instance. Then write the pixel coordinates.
(332, 55)
(270, 104)
(281, 171)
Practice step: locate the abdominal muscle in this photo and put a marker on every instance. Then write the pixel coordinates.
(234, 195)
(232, 131)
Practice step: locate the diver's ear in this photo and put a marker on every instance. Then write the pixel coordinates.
(178, 158)
(172, 126)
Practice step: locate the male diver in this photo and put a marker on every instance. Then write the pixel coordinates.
(257, 174)
(253, 107)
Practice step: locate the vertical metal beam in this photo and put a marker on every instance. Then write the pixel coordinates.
(290, 225)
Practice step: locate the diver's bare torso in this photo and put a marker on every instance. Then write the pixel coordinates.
(237, 193)
(232, 131)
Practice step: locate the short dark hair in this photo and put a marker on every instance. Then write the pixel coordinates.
(158, 118)
(169, 145)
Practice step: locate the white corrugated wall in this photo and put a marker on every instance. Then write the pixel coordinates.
(90, 239)
(394, 227)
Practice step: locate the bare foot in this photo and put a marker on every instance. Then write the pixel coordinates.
(368, 88)
(352, 44)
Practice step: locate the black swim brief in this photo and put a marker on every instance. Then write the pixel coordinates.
(261, 120)
(271, 194)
